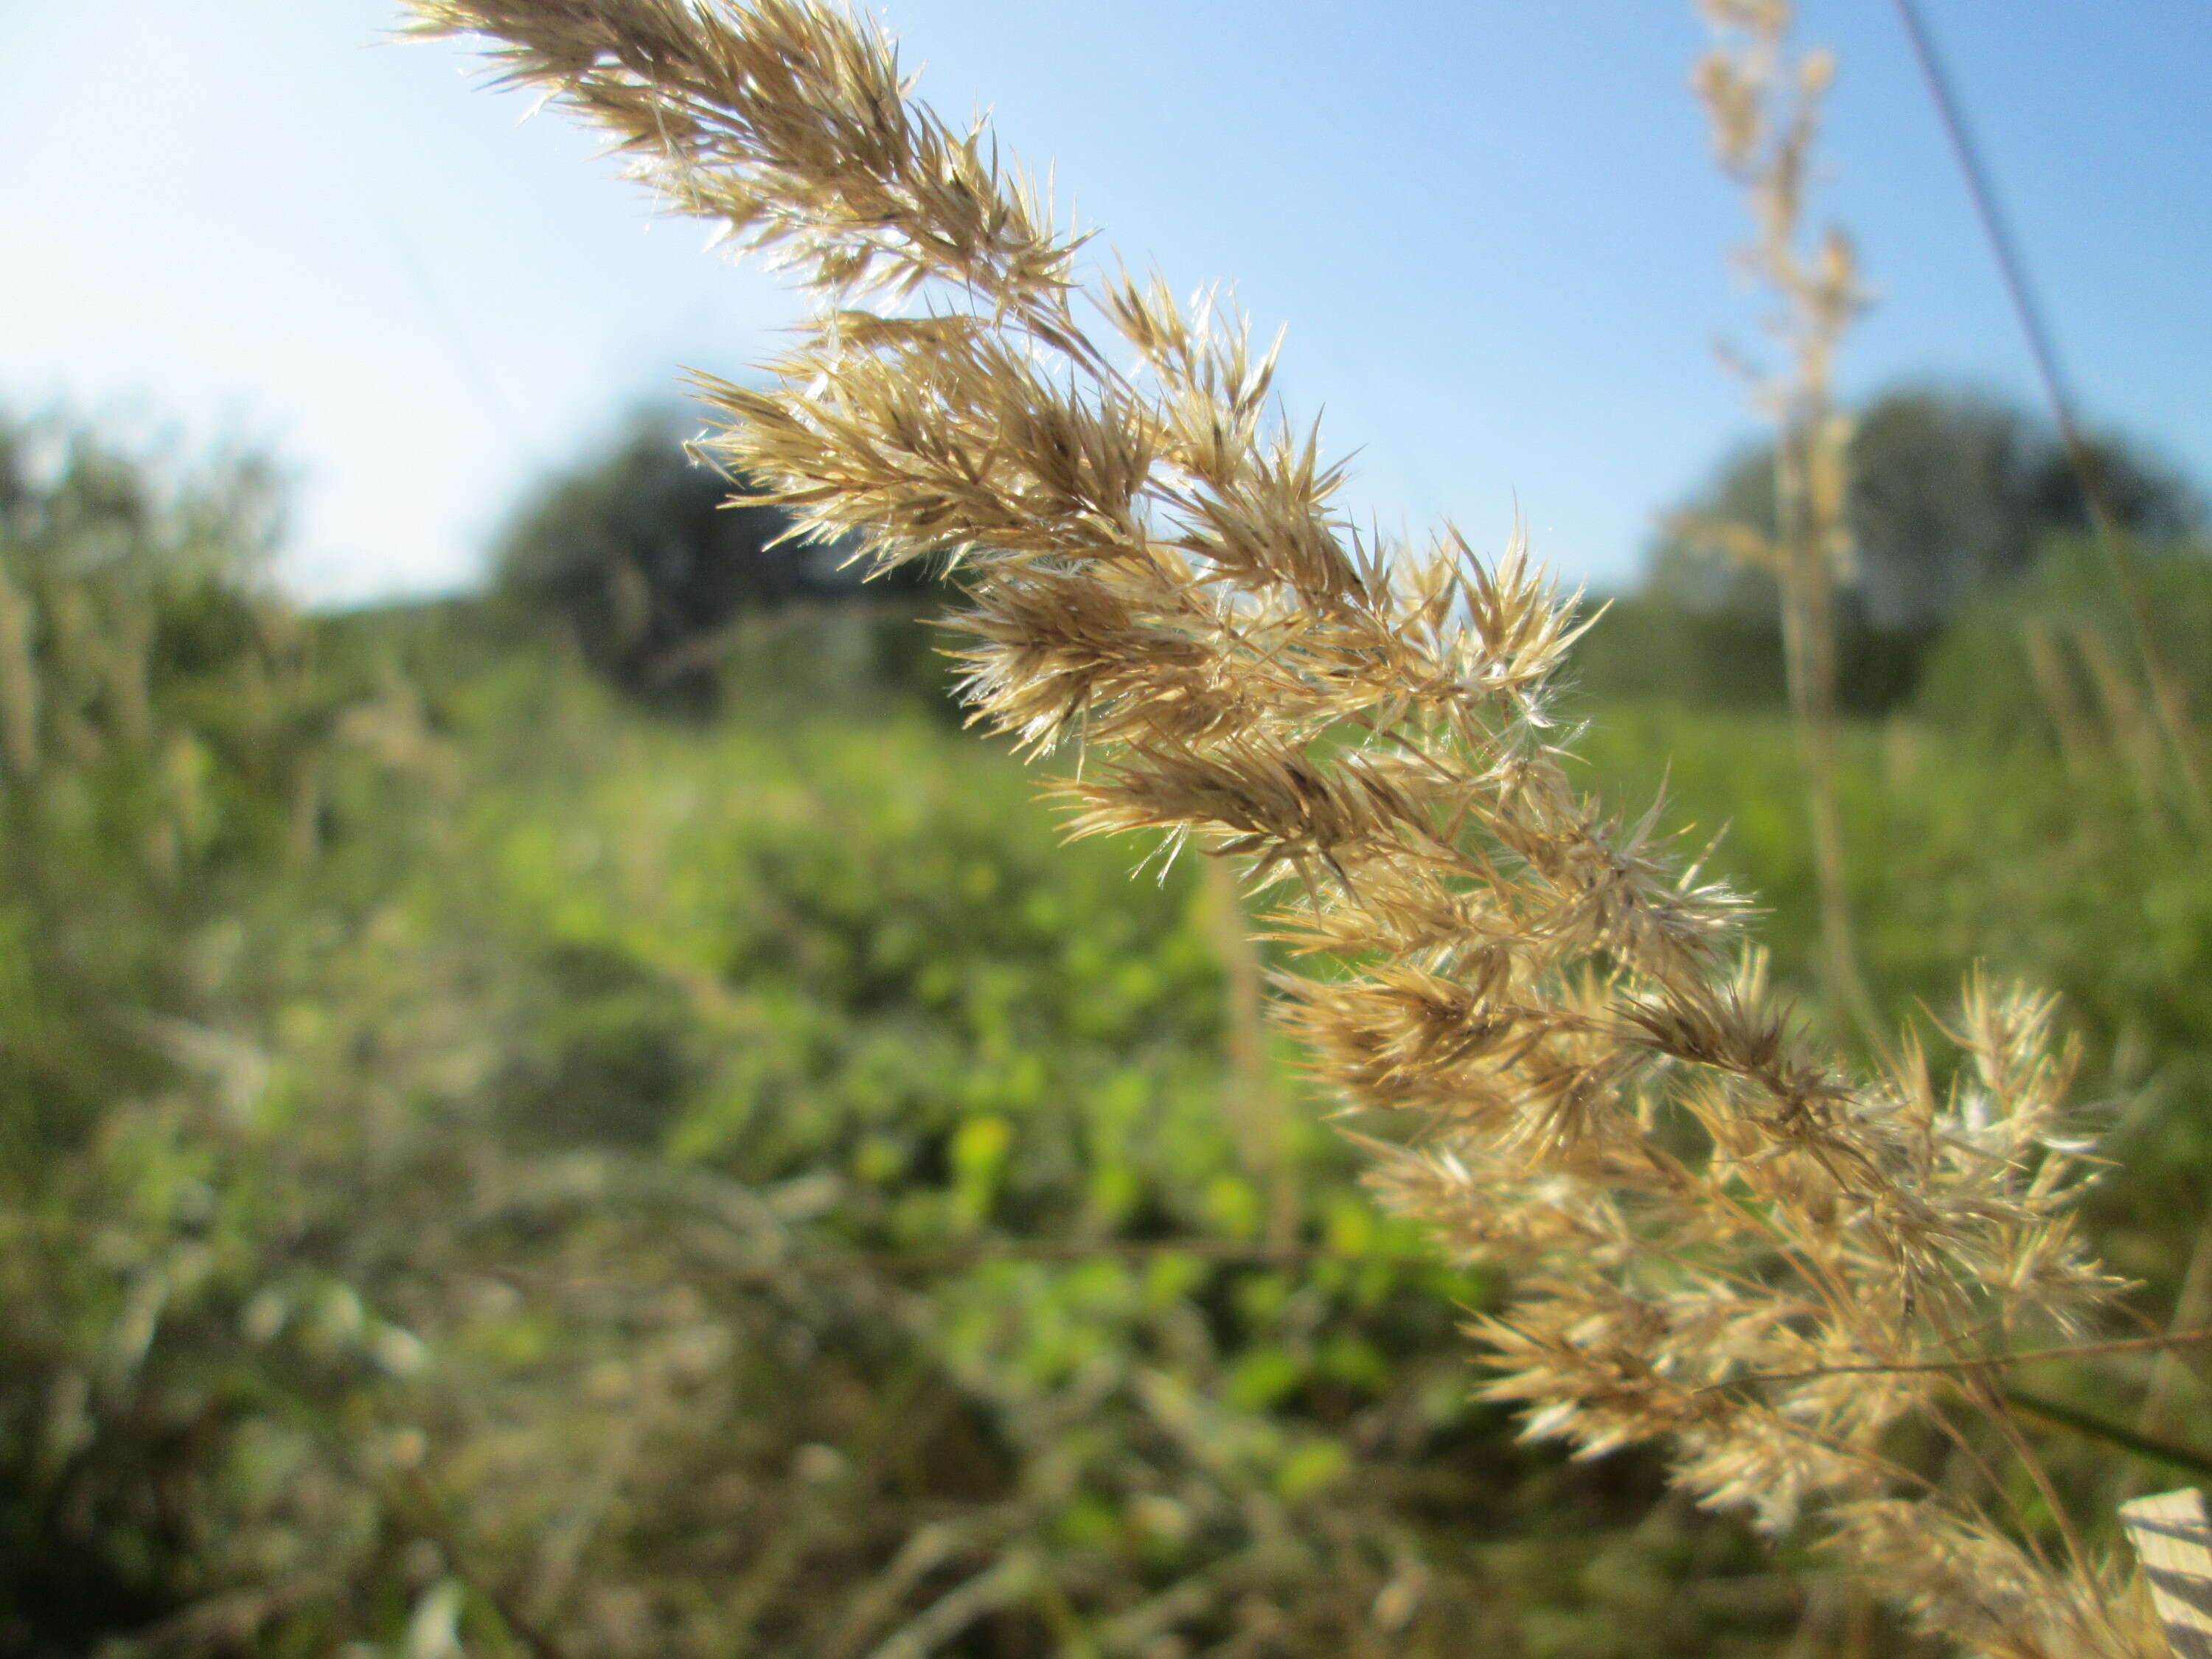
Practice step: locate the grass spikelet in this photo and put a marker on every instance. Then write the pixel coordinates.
(1765, 105)
(1706, 1214)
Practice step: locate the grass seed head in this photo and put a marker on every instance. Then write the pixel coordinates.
(1704, 1214)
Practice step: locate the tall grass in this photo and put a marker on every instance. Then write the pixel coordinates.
(1803, 1280)
(1765, 104)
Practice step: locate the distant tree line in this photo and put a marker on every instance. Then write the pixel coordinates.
(651, 560)
(1953, 495)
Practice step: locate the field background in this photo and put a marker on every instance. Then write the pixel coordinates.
(494, 1164)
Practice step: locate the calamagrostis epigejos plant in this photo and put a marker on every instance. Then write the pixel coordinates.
(1765, 103)
(1718, 1238)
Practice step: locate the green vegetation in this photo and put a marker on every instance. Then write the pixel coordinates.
(1954, 499)
(486, 1165)
(638, 557)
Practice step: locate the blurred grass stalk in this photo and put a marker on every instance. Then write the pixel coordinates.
(2054, 690)
(1765, 105)
(2131, 732)
(1259, 1110)
(2117, 723)
(2192, 1311)
(19, 681)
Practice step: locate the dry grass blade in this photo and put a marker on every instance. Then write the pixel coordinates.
(1599, 1088)
(1765, 105)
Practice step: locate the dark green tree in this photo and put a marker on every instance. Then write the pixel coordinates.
(1953, 493)
(640, 553)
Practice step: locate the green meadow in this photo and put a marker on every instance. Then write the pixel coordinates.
(490, 1165)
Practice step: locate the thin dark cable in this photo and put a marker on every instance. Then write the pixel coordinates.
(2010, 267)
(2165, 693)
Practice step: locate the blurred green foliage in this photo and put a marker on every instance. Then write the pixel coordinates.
(485, 1168)
(1981, 681)
(639, 554)
(1954, 500)
(490, 1170)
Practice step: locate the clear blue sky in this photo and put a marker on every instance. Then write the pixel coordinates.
(1491, 226)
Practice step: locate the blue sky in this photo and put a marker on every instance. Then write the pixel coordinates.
(1492, 228)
